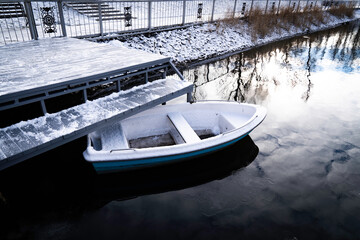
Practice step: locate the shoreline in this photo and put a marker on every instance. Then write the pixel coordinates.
(226, 55)
(197, 45)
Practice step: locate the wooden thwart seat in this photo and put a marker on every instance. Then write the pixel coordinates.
(183, 128)
(114, 139)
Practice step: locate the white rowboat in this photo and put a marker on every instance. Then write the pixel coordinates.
(171, 133)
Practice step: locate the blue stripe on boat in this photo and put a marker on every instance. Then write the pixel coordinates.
(118, 165)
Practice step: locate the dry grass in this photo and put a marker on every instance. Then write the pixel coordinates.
(263, 24)
(318, 16)
(342, 10)
(228, 21)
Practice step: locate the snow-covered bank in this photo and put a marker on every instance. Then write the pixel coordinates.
(197, 43)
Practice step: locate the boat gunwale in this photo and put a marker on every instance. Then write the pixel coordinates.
(212, 142)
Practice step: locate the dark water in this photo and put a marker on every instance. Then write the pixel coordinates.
(296, 177)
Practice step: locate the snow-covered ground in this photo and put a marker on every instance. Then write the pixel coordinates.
(163, 13)
(160, 14)
(205, 41)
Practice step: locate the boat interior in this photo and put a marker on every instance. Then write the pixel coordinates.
(164, 129)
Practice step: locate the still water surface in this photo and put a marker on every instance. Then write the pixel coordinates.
(296, 177)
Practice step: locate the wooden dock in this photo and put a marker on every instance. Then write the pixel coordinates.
(39, 70)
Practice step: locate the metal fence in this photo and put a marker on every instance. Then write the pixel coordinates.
(33, 19)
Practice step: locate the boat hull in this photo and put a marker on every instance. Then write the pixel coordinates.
(110, 150)
(123, 165)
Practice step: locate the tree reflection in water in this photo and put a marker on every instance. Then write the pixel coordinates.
(250, 76)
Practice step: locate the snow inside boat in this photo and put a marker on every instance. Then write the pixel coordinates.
(170, 133)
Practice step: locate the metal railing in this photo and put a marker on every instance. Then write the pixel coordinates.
(33, 19)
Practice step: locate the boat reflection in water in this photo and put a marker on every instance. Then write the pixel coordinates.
(177, 176)
(62, 190)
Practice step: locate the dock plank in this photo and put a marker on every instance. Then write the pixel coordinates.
(2, 155)
(7, 145)
(31, 132)
(113, 106)
(71, 118)
(48, 124)
(20, 138)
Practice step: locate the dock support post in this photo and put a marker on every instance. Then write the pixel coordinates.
(278, 8)
(189, 97)
(118, 86)
(85, 95)
(62, 20)
(177, 71)
(43, 107)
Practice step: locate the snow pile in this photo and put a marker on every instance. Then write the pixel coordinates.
(201, 42)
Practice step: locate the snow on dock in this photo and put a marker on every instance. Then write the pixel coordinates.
(41, 67)
(38, 64)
